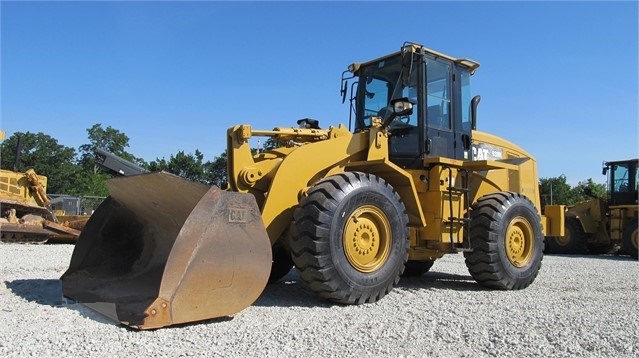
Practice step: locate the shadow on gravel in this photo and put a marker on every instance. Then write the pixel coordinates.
(434, 280)
(44, 292)
(291, 292)
(49, 293)
(287, 292)
(594, 257)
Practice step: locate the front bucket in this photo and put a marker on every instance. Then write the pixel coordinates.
(162, 250)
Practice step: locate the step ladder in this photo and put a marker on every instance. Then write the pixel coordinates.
(462, 194)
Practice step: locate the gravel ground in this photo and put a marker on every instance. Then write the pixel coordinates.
(578, 307)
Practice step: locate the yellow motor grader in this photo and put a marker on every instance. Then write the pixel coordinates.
(352, 209)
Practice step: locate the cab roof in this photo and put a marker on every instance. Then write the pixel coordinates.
(413, 47)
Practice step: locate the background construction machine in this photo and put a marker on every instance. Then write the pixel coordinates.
(353, 210)
(112, 164)
(25, 209)
(600, 225)
(28, 215)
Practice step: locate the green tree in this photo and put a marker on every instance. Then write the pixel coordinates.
(587, 189)
(91, 180)
(193, 167)
(46, 156)
(188, 166)
(215, 171)
(109, 139)
(88, 183)
(555, 191)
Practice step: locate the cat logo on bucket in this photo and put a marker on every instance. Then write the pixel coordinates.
(237, 215)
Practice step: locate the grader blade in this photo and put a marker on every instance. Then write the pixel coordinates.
(162, 250)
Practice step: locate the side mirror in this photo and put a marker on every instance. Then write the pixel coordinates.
(401, 107)
(345, 78)
(343, 89)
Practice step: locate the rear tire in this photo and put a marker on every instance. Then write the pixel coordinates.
(630, 237)
(507, 241)
(574, 243)
(350, 238)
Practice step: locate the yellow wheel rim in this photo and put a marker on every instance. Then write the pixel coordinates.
(520, 241)
(367, 239)
(563, 240)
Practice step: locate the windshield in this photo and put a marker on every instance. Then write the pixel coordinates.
(623, 179)
(621, 182)
(381, 82)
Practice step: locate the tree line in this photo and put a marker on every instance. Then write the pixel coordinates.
(558, 192)
(74, 172)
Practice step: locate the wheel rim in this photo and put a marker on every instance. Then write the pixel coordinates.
(367, 239)
(634, 238)
(563, 240)
(519, 242)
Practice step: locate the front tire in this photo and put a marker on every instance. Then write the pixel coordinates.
(573, 243)
(507, 241)
(350, 238)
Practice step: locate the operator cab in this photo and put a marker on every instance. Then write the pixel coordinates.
(623, 181)
(438, 86)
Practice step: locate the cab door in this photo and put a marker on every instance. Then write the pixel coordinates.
(439, 130)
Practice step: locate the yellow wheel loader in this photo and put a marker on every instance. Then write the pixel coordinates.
(353, 209)
(601, 226)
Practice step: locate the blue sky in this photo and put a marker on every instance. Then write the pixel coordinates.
(558, 78)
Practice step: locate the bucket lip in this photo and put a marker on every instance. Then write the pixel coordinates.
(161, 173)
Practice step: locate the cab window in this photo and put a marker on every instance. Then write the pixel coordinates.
(438, 96)
(465, 100)
(621, 183)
